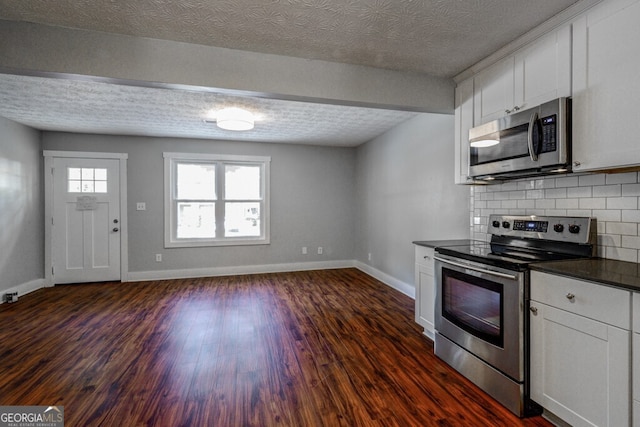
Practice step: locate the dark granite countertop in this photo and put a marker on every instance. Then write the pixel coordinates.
(620, 274)
(437, 243)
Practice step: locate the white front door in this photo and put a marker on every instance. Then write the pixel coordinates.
(86, 220)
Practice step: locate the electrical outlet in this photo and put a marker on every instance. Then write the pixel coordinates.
(141, 206)
(304, 250)
(319, 250)
(158, 257)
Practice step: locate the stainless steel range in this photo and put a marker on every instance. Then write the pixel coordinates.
(482, 298)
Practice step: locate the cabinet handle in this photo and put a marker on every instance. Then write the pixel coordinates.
(576, 164)
(570, 296)
(534, 310)
(427, 257)
(516, 108)
(507, 111)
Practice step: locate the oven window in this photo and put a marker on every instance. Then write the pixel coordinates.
(473, 304)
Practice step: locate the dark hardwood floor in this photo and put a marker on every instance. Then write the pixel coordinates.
(319, 348)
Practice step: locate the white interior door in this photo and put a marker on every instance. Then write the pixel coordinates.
(86, 220)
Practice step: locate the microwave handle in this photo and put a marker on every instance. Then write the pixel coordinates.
(532, 123)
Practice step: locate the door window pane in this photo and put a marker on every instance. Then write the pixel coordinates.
(242, 219)
(196, 181)
(242, 182)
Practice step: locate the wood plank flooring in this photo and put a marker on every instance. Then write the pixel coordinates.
(319, 348)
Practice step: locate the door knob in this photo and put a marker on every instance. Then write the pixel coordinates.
(115, 221)
(116, 229)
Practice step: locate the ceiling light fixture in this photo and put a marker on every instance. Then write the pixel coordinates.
(234, 118)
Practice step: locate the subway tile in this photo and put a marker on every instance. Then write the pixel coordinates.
(631, 190)
(567, 182)
(578, 212)
(517, 211)
(622, 203)
(622, 178)
(632, 215)
(630, 242)
(568, 203)
(526, 185)
(556, 193)
(579, 192)
(480, 204)
(509, 186)
(590, 180)
(611, 215)
(607, 190)
(494, 204)
(623, 228)
(545, 204)
(515, 195)
(509, 204)
(535, 194)
(593, 203)
(526, 204)
(621, 254)
(539, 212)
(501, 195)
(609, 239)
(555, 212)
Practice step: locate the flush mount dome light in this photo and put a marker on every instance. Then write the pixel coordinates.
(483, 143)
(234, 119)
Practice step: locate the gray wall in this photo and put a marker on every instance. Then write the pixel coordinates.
(312, 193)
(405, 192)
(21, 205)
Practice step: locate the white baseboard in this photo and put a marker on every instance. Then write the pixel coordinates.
(135, 276)
(399, 285)
(24, 288)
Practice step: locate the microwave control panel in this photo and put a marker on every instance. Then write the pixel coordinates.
(549, 132)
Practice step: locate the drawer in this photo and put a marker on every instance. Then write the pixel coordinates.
(424, 256)
(592, 300)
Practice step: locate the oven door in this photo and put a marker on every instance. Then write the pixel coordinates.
(481, 309)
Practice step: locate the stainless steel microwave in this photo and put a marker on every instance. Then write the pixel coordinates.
(532, 142)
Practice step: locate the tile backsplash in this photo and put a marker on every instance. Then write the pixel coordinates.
(611, 198)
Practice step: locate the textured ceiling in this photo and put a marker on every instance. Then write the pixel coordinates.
(93, 107)
(437, 37)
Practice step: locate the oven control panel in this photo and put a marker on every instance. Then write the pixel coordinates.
(559, 228)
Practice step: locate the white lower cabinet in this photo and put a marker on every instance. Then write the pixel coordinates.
(581, 350)
(425, 289)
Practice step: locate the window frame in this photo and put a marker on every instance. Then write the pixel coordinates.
(171, 160)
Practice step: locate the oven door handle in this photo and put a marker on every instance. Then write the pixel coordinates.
(478, 269)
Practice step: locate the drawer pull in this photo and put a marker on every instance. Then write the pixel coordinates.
(570, 296)
(426, 257)
(534, 310)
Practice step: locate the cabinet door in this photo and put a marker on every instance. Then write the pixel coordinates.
(606, 87)
(543, 70)
(463, 122)
(579, 368)
(493, 92)
(425, 289)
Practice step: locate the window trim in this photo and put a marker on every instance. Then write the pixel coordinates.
(170, 161)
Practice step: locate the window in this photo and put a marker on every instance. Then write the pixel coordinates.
(216, 200)
(87, 180)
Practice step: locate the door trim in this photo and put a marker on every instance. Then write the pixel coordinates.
(49, 157)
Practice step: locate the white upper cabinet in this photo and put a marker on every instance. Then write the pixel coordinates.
(535, 74)
(606, 91)
(463, 122)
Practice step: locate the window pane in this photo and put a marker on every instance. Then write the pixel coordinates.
(100, 174)
(242, 219)
(196, 181)
(87, 186)
(242, 182)
(87, 173)
(74, 173)
(196, 220)
(74, 186)
(101, 187)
